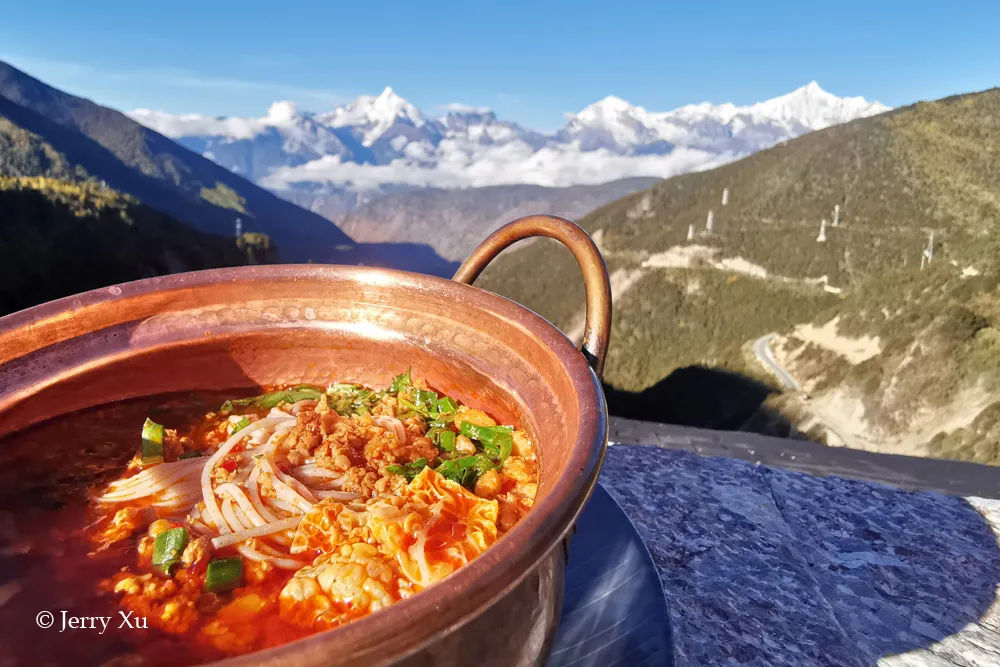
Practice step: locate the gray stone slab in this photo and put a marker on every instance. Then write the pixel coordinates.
(763, 566)
(907, 472)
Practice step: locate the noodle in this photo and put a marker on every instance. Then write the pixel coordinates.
(212, 511)
(257, 531)
(329, 504)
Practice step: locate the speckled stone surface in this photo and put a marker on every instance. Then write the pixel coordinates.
(763, 566)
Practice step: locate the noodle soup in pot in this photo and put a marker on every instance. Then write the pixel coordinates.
(412, 554)
(221, 524)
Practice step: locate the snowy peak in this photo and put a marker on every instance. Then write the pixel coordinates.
(385, 141)
(607, 122)
(609, 106)
(372, 117)
(814, 108)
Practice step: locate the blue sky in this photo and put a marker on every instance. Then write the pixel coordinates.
(530, 61)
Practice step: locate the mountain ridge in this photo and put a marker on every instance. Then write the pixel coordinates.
(383, 143)
(162, 173)
(692, 295)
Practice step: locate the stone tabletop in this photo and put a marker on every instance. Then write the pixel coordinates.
(766, 566)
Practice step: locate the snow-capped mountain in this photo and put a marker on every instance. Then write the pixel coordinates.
(381, 143)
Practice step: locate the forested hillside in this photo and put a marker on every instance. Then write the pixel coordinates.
(59, 238)
(162, 174)
(884, 186)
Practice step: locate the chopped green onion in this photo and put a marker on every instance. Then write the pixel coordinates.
(298, 393)
(446, 405)
(224, 574)
(238, 426)
(446, 441)
(485, 434)
(152, 442)
(193, 454)
(401, 382)
(408, 406)
(408, 470)
(168, 547)
(496, 441)
(426, 400)
(348, 399)
(505, 443)
(465, 470)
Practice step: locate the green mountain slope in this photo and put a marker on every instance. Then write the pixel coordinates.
(933, 167)
(161, 173)
(59, 237)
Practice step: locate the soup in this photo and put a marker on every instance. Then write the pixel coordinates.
(241, 523)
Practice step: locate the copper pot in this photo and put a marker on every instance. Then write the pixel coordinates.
(269, 325)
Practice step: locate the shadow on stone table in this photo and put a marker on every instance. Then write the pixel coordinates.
(769, 567)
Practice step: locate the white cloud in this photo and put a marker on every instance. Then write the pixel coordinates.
(176, 126)
(463, 108)
(514, 162)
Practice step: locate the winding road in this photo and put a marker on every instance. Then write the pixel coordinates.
(762, 349)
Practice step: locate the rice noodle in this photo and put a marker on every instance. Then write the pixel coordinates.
(241, 500)
(305, 499)
(286, 486)
(241, 516)
(255, 499)
(333, 484)
(313, 470)
(289, 495)
(231, 519)
(280, 504)
(201, 529)
(281, 562)
(298, 406)
(266, 549)
(150, 480)
(256, 531)
(212, 511)
(338, 495)
(392, 424)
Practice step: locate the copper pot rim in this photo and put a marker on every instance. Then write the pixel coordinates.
(485, 579)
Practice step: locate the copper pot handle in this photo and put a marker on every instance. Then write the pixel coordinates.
(595, 273)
